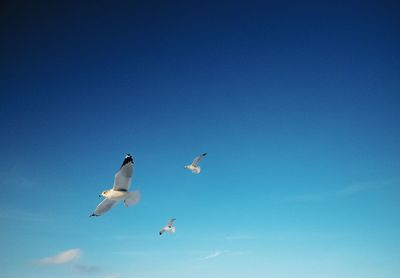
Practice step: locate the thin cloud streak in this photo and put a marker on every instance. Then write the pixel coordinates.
(62, 258)
(341, 193)
(212, 255)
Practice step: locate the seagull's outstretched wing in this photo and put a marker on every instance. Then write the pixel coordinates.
(103, 207)
(123, 177)
(197, 159)
(171, 222)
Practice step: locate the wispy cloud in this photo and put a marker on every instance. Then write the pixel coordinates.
(71, 257)
(342, 192)
(62, 258)
(213, 255)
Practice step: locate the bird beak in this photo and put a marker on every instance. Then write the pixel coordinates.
(100, 195)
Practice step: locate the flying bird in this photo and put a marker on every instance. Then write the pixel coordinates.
(194, 166)
(119, 192)
(169, 228)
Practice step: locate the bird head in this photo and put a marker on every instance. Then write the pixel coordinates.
(104, 193)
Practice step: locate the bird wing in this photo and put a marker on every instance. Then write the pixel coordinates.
(171, 222)
(123, 177)
(198, 158)
(103, 207)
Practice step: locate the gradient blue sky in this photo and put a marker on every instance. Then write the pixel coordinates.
(296, 104)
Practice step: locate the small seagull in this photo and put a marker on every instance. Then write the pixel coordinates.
(119, 192)
(169, 227)
(194, 166)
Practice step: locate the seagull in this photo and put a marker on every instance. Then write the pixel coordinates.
(169, 227)
(119, 191)
(193, 167)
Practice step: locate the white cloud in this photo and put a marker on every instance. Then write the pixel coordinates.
(213, 255)
(62, 258)
(71, 257)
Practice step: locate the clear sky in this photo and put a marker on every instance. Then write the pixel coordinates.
(296, 104)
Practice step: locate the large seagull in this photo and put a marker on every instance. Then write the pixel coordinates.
(119, 191)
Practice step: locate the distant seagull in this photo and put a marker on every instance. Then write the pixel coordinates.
(194, 166)
(169, 228)
(119, 191)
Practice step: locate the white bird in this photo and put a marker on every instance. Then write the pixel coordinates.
(169, 228)
(119, 192)
(194, 166)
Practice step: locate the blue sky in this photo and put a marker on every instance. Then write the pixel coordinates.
(296, 104)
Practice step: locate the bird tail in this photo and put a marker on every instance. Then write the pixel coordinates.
(132, 199)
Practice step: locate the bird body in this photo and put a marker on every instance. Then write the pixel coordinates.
(169, 228)
(119, 191)
(115, 195)
(194, 167)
